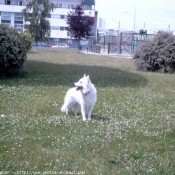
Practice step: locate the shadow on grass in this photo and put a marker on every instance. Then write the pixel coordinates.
(50, 74)
(98, 118)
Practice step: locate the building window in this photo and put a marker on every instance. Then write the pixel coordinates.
(86, 7)
(55, 28)
(59, 5)
(71, 6)
(18, 2)
(55, 16)
(69, 41)
(18, 17)
(63, 16)
(62, 28)
(19, 26)
(7, 2)
(6, 23)
(89, 2)
(64, 5)
(5, 16)
(18, 22)
(56, 40)
(48, 16)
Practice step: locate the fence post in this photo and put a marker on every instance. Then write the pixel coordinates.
(104, 39)
(132, 44)
(120, 44)
(109, 48)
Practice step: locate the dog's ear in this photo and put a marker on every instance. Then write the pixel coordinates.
(84, 75)
(88, 78)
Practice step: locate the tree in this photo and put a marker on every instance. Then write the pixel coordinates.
(157, 54)
(79, 24)
(35, 13)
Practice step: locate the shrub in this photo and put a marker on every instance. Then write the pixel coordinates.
(157, 54)
(12, 52)
(26, 39)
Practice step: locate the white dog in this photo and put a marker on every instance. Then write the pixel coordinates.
(83, 95)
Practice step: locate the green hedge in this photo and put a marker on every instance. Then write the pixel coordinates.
(12, 51)
(157, 54)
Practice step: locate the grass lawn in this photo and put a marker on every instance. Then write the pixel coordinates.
(132, 130)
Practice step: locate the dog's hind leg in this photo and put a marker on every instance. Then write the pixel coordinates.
(67, 111)
(63, 109)
(76, 108)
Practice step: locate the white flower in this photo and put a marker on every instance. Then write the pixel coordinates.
(3, 115)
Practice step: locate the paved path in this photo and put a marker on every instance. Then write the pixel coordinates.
(106, 54)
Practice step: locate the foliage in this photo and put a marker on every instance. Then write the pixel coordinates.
(25, 37)
(12, 51)
(35, 13)
(157, 54)
(79, 24)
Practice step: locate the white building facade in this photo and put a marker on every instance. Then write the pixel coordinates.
(102, 23)
(10, 14)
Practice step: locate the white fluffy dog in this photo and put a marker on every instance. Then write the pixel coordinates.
(83, 95)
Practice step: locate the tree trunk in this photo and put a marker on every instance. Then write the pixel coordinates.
(78, 46)
(36, 44)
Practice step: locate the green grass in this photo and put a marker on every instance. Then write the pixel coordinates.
(132, 130)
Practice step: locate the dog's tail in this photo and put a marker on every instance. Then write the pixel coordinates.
(63, 109)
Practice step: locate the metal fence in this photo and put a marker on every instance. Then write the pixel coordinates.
(99, 49)
(124, 43)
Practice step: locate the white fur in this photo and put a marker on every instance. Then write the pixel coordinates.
(83, 99)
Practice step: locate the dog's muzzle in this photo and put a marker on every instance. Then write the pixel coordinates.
(78, 87)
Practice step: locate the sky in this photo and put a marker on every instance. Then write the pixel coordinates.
(151, 15)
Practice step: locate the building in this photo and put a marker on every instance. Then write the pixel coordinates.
(10, 14)
(102, 23)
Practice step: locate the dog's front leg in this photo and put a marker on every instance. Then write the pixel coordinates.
(83, 112)
(89, 113)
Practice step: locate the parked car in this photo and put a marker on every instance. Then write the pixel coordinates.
(40, 44)
(61, 45)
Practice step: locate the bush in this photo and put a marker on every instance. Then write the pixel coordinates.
(26, 39)
(157, 54)
(12, 52)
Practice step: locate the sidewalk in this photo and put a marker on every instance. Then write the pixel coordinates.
(106, 54)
